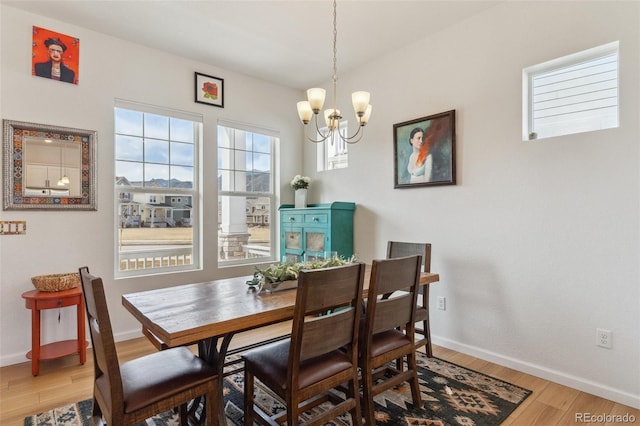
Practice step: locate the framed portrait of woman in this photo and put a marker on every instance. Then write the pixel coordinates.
(55, 56)
(424, 151)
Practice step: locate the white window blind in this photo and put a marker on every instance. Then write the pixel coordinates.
(577, 93)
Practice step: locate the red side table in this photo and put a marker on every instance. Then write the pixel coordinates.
(38, 300)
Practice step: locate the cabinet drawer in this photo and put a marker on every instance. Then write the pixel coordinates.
(316, 218)
(58, 302)
(292, 218)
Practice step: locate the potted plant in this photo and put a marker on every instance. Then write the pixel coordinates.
(285, 275)
(300, 184)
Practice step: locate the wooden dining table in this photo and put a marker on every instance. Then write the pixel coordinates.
(210, 313)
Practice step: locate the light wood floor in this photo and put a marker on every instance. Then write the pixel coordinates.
(64, 381)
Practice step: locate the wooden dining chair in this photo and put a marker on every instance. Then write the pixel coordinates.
(320, 355)
(399, 249)
(128, 393)
(382, 339)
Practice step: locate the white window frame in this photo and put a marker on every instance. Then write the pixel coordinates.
(603, 109)
(271, 195)
(193, 192)
(333, 157)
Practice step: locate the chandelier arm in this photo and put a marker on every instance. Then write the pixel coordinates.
(316, 141)
(350, 139)
(322, 136)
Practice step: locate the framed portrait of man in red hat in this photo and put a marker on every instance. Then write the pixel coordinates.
(55, 56)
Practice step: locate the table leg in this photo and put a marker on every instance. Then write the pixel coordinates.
(35, 341)
(209, 351)
(427, 325)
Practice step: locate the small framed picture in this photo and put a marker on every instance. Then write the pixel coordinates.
(424, 151)
(55, 56)
(209, 90)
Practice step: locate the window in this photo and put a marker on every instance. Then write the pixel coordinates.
(246, 200)
(573, 94)
(156, 190)
(333, 154)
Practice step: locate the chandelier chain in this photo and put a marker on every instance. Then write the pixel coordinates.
(335, 55)
(308, 109)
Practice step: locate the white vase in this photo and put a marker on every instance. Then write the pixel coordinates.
(301, 198)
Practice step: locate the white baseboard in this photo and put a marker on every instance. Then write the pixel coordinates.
(20, 357)
(14, 359)
(578, 383)
(127, 335)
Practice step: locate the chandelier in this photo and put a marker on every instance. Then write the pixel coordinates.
(315, 100)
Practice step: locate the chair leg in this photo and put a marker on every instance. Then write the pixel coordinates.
(415, 385)
(184, 418)
(292, 409)
(354, 392)
(96, 414)
(248, 398)
(209, 406)
(427, 335)
(367, 396)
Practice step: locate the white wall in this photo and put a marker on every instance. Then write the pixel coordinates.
(538, 243)
(62, 241)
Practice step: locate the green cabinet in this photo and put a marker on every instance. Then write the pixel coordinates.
(316, 229)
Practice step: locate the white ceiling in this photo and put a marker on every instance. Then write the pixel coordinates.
(288, 42)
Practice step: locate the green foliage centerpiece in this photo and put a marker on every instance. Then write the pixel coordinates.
(274, 275)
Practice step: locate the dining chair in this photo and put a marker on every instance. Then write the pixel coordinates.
(129, 393)
(320, 355)
(382, 339)
(399, 249)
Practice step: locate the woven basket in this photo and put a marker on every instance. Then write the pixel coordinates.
(56, 282)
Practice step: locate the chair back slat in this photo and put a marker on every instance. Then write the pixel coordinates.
(392, 313)
(326, 311)
(395, 278)
(388, 276)
(328, 332)
(403, 249)
(329, 287)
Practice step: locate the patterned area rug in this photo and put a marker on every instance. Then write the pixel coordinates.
(451, 395)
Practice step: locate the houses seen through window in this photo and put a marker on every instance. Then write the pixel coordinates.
(246, 198)
(156, 190)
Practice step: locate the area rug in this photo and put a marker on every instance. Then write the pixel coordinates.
(451, 395)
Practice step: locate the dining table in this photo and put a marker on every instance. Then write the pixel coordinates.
(208, 314)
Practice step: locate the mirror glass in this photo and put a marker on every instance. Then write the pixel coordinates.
(48, 167)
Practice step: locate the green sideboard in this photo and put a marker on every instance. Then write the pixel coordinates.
(316, 229)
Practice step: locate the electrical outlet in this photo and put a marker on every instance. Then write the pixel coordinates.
(442, 303)
(603, 338)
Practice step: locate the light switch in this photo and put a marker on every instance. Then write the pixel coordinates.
(13, 227)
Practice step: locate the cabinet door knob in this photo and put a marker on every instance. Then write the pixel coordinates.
(315, 219)
(292, 219)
